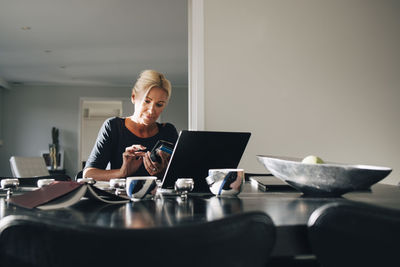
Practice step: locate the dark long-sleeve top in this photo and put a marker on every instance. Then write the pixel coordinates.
(114, 137)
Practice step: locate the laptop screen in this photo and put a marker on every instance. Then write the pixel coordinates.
(196, 152)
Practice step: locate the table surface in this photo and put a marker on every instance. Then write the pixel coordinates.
(289, 210)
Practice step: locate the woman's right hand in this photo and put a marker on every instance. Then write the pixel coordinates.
(132, 158)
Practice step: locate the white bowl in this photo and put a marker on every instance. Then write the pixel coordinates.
(326, 179)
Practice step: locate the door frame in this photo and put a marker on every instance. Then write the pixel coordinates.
(80, 121)
(196, 64)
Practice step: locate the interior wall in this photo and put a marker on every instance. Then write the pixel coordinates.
(93, 114)
(176, 111)
(1, 116)
(31, 111)
(306, 77)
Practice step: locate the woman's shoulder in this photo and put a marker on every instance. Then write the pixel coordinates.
(113, 123)
(114, 120)
(168, 129)
(166, 126)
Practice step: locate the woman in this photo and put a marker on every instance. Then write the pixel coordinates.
(125, 143)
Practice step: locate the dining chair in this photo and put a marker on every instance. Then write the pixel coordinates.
(244, 239)
(79, 175)
(28, 166)
(355, 234)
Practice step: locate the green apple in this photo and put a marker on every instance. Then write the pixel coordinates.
(312, 160)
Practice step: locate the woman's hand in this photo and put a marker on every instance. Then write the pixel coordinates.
(156, 168)
(132, 158)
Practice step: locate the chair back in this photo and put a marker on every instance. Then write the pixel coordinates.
(354, 234)
(79, 175)
(28, 167)
(240, 240)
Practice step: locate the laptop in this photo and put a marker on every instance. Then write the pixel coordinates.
(196, 152)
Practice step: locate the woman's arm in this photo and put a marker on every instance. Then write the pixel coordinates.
(102, 175)
(132, 159)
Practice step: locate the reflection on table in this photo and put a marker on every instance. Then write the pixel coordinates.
(289, 211)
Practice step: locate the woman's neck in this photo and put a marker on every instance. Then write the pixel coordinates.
(140, 129)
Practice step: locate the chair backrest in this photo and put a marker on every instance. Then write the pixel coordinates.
(28, 166)
(355, 234)
(240, 240)
(79, 175)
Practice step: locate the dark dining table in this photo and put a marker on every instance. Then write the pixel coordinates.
(289, 210)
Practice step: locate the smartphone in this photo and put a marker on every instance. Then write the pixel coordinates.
(162, 145)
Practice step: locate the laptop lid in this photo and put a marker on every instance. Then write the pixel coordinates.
(196, 152)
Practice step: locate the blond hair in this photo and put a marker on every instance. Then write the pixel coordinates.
(149, 79)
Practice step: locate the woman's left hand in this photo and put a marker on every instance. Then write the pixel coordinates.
(156, 168)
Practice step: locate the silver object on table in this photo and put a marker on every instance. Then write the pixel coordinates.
(87, 180)
(44, 182)
(9, 184)
(326, 179)
(183, 186)
(118, 184)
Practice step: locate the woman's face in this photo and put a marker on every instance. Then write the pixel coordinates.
(149, 108)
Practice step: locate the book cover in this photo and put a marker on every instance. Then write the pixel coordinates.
(45, 194)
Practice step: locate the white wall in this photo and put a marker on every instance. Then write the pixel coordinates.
(89, 132)
(93, 114)
(176, 111)
(31, 111)
(1, 116)
(306, 77)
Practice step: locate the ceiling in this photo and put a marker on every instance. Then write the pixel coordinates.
(92, 42)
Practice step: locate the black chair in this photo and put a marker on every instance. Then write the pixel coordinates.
(355, 234)
(240, 240)
(79, 175)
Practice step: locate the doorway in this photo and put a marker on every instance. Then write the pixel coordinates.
(93, 112)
